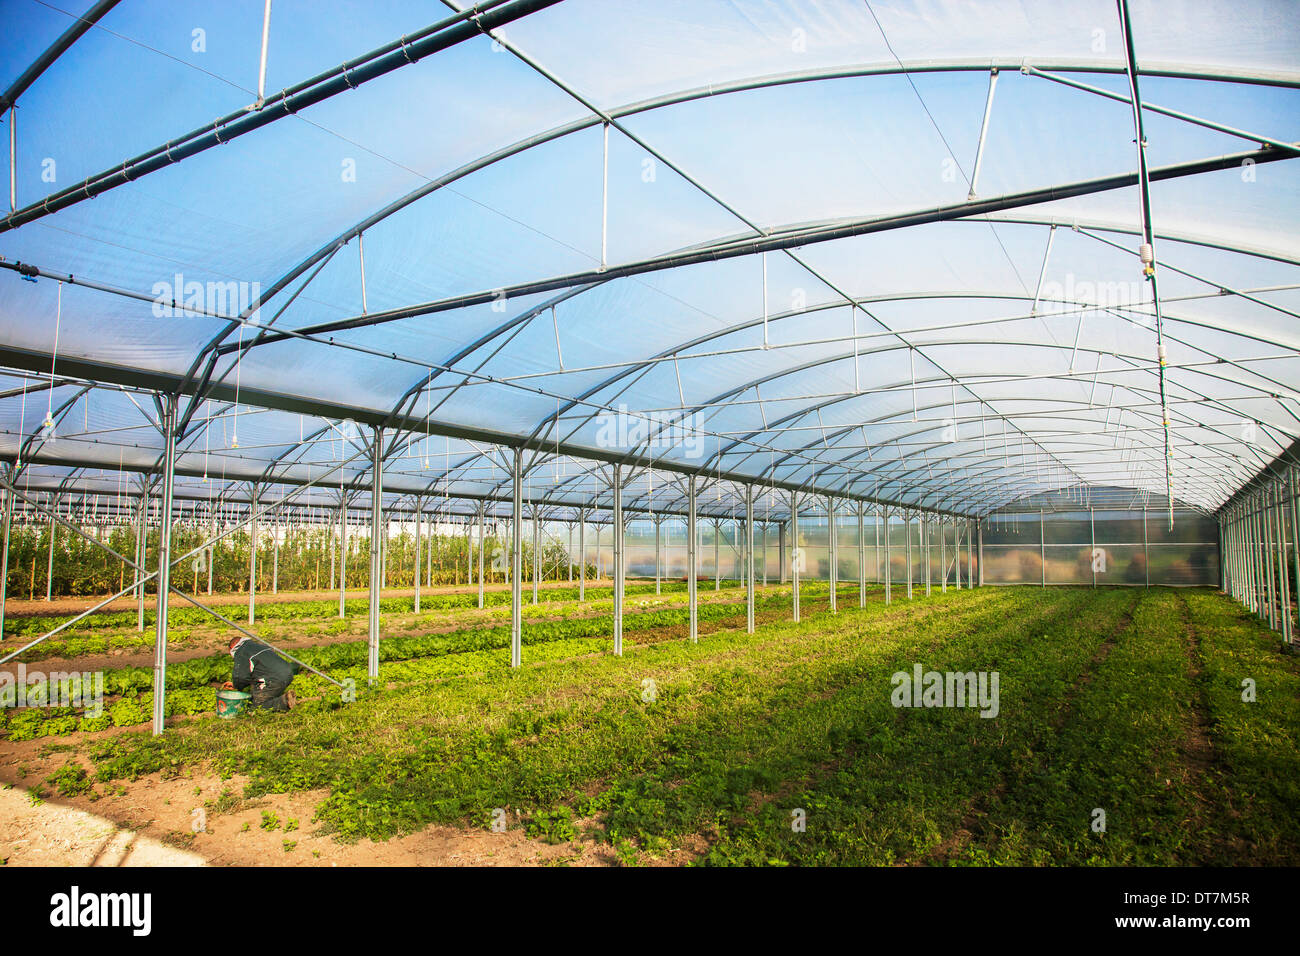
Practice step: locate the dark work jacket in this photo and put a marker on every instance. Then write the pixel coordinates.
(254, 661)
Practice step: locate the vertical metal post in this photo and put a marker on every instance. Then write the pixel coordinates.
(943, 557)
(419, 520)
(1284, 584)
(862, 557)
(516, 559)
(956, 552)
(925, 550)
(796, 552)
(618, 559)
(141, 559)
(482, 547)
(569, 554)
(13, 158)
(717, 559)
(970, 554)
(766, 531)
(1295, 528)
(343, 552)
(252, 554)
(1042, 547)
(692, 558)
(832, 551)
(907, 550)
(658, 523)
(889, 571)
(275, 555)
(537, 553)
(376, 549)
(582, 554)
(979, 542)
(780, 551)
(4, 558)
(168, 406)
(212, 552)
(49, 568)
(1266, 506)
(749, 559)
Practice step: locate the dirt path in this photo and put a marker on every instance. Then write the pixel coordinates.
(196, 821)
(52, 834)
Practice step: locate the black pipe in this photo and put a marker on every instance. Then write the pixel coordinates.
(775, 243)
(56, 49)
(378, 63)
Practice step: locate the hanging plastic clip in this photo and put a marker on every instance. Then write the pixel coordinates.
(1148, 256)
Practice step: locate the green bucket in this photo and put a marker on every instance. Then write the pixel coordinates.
(231, 703)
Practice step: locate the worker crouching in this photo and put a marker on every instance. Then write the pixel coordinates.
(264, 674)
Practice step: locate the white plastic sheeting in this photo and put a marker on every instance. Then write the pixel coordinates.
(956, 364)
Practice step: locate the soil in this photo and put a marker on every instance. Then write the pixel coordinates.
(153, 822)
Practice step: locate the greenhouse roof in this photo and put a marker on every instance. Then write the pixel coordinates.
(884, 251)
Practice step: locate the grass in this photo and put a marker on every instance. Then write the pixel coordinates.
(1124, 701)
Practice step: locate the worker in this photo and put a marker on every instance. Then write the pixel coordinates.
(262, 672)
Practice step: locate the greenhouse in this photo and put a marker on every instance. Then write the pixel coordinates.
(454, 350)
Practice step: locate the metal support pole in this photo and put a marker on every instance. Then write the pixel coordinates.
(376, 549)
(537, 553)
(970, 554)
(1042, 549)
(4, 559)
(832, 552)
(956, 553)
(275, 555)
(796, 552)
(419, 520)
(168, 423)
(252, 555)
(1295, 530)
(343, 554)
(692, 557)
(482, 547)
(618, 559)
(780, 551)
(141, 560)
(582, 556)
(516, 559)
(1284, 584)
(1266, 515)
(862, 557)
(717, 560)
(658, 565)
(49, 568)
(749, 559)
(943, 557)
(979, 531)
(766, 529)
(925, 550)
(907, 550)
(889, 571)
(212, 553)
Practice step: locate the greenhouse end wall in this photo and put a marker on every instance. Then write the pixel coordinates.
(1112, 547)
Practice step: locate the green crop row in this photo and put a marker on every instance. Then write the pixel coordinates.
(349, 660)
(187, 616)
